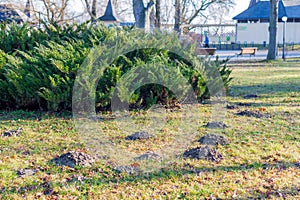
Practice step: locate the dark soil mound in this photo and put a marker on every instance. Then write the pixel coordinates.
(231, 107)
(216, 125)
(255, 113)
(74, 158)
(127, 169)
(213, 139)
(250, 96)
(139, 136)
(11, 133)
(149, 156)
(26, 172)
(244, 104)
(206, 153)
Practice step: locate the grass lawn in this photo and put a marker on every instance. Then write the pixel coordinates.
(262, 159)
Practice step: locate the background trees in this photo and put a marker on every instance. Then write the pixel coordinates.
(145, 13)
(179, 12)
(197, 11)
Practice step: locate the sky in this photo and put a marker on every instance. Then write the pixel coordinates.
(240, 6)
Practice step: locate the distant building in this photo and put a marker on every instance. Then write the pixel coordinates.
(253, 23)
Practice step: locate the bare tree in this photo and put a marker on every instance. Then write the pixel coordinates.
(273, 30)
(91, 8)
(55, 11)
(189, 11)
(142, 13)
(216, 14)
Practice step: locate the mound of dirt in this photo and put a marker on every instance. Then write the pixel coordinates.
(216, 125)
(149, 156)
(127, 169)
(206, 153)
(26, 172)
(250, 96)
(244, 104)
(256, 114)
(297, 164)
(73, 159)
(139, 136)
(213, 139)
(231, 107)
(11, 133)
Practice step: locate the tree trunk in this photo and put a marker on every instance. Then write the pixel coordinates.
(177, 16)
(139, 13)
(152, 18)
(62, 11)
(272, 50)
(94, 10)
(157, 14)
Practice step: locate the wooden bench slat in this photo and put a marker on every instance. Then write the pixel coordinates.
(248, 50)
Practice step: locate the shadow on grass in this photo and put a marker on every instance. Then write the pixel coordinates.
(32, 115)
(266, 90)
(189, 169)
(46, 187)
(264, 104)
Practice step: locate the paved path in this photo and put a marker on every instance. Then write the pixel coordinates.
(260, 55)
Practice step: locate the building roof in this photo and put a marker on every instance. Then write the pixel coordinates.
(10, 14)
(109, 14)
(293, 11)
(252, 3)
(261, 10)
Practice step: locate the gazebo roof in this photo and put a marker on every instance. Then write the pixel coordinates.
(109, 14)
(261, 10)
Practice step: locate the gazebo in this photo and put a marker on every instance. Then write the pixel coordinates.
(110, 17)
(253, 23)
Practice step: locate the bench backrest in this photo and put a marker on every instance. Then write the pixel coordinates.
(248, 50)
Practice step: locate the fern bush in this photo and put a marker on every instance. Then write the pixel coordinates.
(38, 68)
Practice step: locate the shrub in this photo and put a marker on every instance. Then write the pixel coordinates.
(41, 75)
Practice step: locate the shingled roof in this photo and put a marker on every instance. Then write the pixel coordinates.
(261, 10)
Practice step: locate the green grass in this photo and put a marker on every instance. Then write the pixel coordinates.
(259, 161)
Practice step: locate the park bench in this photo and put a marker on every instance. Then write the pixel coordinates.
(248, 51)
(206, 51)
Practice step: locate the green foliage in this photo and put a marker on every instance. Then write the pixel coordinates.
(19, 37)
(38, 68)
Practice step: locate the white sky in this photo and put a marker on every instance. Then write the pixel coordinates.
(241, 5)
